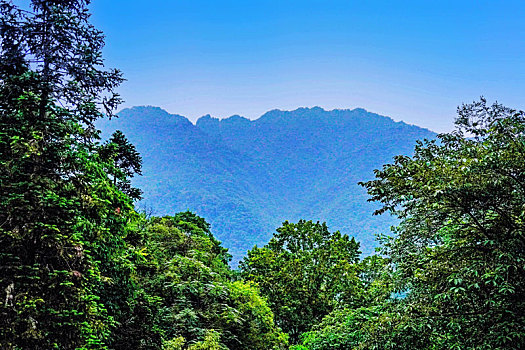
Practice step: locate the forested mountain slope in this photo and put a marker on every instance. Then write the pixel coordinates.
(246, 177)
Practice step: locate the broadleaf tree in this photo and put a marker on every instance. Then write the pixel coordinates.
(459, 250)
(305, 271)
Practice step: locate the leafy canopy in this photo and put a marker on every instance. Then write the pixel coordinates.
(192, 299)
(305, 271)
(459, 250)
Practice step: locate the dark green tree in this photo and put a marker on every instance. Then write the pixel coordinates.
(125, 163)
(62, 221)
(459, 250)
(305, 271)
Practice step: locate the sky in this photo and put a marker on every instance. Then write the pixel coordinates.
(414, 61)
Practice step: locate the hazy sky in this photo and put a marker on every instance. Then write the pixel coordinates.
(414, 61)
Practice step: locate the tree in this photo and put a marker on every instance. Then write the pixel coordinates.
(459, 250)
(192, 297)
(305, 271)
(62, 221)
(125, 163)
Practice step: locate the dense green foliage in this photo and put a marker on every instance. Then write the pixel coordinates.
(79, 268)
(305, 271)
(459, 250)
(62, 242)
(247, 177)
(126, 163)
(190, 295)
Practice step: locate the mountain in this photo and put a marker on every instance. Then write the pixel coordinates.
(247, 176)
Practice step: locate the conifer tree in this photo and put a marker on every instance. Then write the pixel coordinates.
(125, 163)
(62, 220)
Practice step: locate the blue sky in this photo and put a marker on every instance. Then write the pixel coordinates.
(411, 60)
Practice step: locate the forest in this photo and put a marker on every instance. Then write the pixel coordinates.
(82, 268)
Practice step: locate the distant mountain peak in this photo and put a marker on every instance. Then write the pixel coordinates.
(309, 109)
(272, 114)
(152, 115)
(357, 110)
(208, 121)
(142, 109)
(279, 114)
(236, 119)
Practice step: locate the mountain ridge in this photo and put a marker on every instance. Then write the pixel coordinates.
(301, 109)
(128, 110)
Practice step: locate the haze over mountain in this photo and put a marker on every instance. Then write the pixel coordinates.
(247, 176)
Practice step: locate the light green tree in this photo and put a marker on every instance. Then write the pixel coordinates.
(305, 271)
(192, 295)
